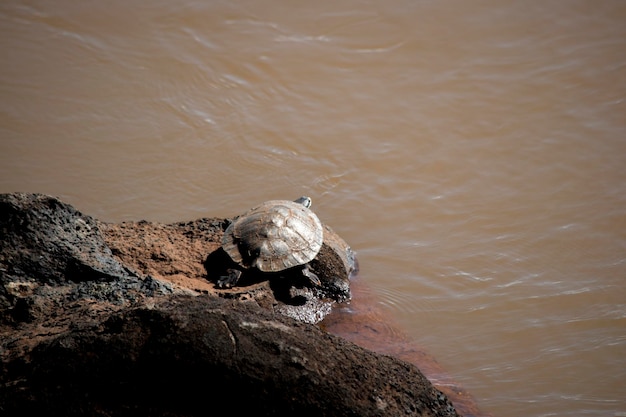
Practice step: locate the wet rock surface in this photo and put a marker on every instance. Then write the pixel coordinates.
(124, 319)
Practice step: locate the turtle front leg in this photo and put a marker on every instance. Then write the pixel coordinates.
(228, 281)
(306, 271)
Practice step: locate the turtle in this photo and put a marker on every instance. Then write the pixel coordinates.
(272, 237)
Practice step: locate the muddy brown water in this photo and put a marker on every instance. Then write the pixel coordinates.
(472, 153)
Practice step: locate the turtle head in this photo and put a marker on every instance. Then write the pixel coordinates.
(304, 200)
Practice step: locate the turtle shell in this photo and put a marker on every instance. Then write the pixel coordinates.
(274, 236)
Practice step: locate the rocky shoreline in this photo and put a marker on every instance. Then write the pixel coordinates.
(124, 319)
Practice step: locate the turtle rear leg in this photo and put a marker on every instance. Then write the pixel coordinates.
(306, 271)
(228, 281)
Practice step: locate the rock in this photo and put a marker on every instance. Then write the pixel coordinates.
(116, 320)
(52, 255)
(47, 238)
(189, 255)
(188, 356)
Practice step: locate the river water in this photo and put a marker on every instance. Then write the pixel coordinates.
(473, 153)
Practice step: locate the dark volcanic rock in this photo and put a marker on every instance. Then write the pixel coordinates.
(51, 240)
(106, 320)
(52, 255)
(198, 355)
